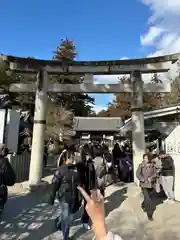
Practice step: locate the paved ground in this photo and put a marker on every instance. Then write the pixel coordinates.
(27, 216)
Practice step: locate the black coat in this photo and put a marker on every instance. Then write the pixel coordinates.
(7, 178)
(64, 171)
(167, 165)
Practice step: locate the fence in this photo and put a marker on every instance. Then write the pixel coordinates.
(21, 164)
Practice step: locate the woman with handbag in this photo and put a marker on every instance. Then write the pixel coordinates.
(146, 174)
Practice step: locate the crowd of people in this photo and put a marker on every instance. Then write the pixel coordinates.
(71, 181)
(87, 175)
(83, 181)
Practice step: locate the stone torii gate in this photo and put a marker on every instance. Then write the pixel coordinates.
(44, 68)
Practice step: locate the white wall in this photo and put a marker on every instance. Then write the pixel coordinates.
(12, 130)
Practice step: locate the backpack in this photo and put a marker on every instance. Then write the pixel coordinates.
(100, 167)
(68, 189)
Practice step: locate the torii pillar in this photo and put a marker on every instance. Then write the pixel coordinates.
(138, 138)
(37, 151)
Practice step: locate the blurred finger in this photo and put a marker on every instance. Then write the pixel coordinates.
(100, 196)
(94, 194)
(84, 193)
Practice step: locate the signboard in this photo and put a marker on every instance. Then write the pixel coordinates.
(173, 149)
(178, 148)
(173, 141)
(169, 147)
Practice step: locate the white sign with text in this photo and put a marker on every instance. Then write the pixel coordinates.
(172, 143)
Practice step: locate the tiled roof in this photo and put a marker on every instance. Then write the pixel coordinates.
(161, 112)
(108, 124)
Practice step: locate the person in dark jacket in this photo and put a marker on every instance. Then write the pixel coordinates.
(146, 174)
(167, 173)
(118, 159)
(86, 149)
(65, 181)
(88, 176)
(7, 176)
(105, 148)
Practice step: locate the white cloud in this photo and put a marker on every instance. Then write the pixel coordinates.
(124, 58)
(98, 108)
(165, 15)
(162, 8)
(108, 98)
(106, 79)
(152, 34)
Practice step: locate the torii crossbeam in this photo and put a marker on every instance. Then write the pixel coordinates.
(134, 67)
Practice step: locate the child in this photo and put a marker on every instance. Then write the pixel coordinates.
(64, 185)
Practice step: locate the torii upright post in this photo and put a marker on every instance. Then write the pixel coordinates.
(37, 151)
(138, 139)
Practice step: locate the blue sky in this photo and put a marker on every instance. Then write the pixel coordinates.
(101, 29)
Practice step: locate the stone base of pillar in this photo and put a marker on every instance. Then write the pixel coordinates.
(41, 186)
(138, 141)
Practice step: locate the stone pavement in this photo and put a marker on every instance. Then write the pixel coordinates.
(27, 216)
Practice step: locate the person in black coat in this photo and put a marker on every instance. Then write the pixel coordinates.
(88, 176)
(118, 157)
(65, 181)
(167, 173)
(7, 176)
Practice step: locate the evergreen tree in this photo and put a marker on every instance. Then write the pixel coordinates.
(79, 103)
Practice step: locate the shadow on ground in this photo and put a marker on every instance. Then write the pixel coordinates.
(25, 217)
(112, 203)
(29, 217)
(157, 199)
(115, 200)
